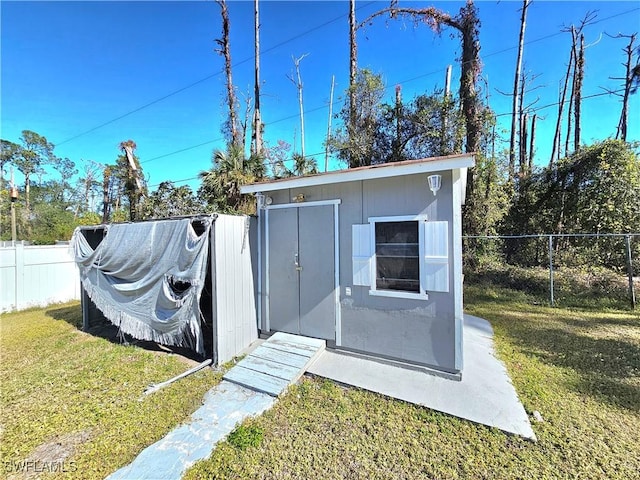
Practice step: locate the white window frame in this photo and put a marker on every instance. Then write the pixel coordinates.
(373, 290)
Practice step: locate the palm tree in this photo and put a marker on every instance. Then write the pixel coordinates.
(304, 165)
(231, 169)
(301, 166)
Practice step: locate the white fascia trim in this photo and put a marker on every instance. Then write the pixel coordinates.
(399, 218)
(318, 203)
(383, 171)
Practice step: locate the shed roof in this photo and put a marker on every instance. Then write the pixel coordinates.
(383, 170)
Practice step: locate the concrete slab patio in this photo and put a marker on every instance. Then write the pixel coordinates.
(484, 395)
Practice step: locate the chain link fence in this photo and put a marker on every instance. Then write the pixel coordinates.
(561, 269)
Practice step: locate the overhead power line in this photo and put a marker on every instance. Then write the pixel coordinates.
(289, 40)
(542, 107)
(594, 95)
(434, 72)
(204, 79)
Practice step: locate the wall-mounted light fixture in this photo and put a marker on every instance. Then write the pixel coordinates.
(263, 200)
(435, 182)
(298, 198)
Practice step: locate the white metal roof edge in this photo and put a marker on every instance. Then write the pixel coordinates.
(379, 171)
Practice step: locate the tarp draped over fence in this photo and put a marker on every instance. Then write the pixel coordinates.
(147, 278)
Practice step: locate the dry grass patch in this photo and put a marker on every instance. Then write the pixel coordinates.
(579, 369)
(64, 393)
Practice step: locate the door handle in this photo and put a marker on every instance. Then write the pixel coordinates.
(296, 263)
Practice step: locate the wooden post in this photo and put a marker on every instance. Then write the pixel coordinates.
(551, 270)
(632, 292)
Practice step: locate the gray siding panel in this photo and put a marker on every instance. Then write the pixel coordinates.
(415, 335)
(419, 331)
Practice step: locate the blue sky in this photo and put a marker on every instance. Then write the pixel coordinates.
(88, 75)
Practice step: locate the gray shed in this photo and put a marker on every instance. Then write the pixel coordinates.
(369, 259)
(186, 282)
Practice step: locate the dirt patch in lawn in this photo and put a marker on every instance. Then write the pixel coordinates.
(52, 456)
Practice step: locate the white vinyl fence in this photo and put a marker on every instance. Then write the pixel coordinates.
(36, 276)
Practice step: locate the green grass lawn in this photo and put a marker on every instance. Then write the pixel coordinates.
(64, 392)
(580, 368)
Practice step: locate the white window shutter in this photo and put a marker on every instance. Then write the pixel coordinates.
(361, 254)
(436, 256)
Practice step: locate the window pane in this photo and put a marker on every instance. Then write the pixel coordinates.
(397, 250)
(397, 256)
(397, 232)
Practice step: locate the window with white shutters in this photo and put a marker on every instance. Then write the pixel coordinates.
(405, 257)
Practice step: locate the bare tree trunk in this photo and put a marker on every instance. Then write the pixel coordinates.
(27, 191)
(621, 132)
(558, 136)
(398, 138)
(353, 70)
(571, 95)
(128, 151)
(245, 123)
(298, 83)
(89, 179)
(225, 50)
(326, 148)
(106, 180)
(516, 91)
(573, 62)
(523, 146)
(471, 68)
(85, 196)
(257, 119)
(470, 71)
(447, 82)
(532, 143)
(522, 124)
(579, 76)
(445, 112)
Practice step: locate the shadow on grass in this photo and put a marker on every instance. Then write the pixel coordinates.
(602, 322)
(573, 288)
(603, 364)
(593, 304)
(478, 293)
(499, 294)
(71, 315)
(104, 329)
